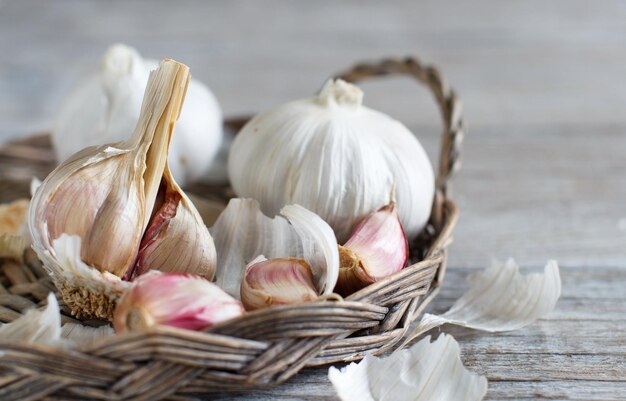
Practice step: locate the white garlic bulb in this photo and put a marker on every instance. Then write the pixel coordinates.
(105, 107)
(335, 157)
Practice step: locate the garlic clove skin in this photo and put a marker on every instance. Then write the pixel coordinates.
(335, 157)
(87, 203)
(105, 106)
(178, 300)
(277, 282)
(377, 248)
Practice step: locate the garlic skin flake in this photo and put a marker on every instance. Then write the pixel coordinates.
(177, 300)
(125, 208)
(279, 281)
(13, 231)
(377, 248)
(243, 232)
(500, 299)
(42, 326)
(105, 107)
(334, 157)
(424, 372)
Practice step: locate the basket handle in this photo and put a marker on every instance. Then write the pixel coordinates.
(449, 106)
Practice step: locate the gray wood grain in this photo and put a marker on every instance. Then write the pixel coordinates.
(544, 157)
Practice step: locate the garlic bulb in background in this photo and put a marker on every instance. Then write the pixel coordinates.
(177, 300)
(335, 157)
(105, 106)
(110, 213)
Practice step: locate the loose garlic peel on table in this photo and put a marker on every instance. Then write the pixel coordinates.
(110, 212)
(499, 299)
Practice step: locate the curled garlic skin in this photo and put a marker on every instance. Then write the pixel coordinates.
(277, 281)
(105, 106)
(377, 248)
(177, 300)
(335, 157)
(121, 207)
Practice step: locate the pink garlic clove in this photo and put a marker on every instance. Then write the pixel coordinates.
(377, 248)
(171, 299)
(277, 282)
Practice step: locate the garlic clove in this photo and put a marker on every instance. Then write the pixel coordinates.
(176, 225)
(242, 232)
(277, 282)
(177, 300)
(377, 248)
(110, 198)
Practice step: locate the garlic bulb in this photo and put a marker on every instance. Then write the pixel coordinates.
(105, 107)
(334, 157)
(114, 211)
(376, 249)
(177, 300)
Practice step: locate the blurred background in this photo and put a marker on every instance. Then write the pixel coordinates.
(542, 84)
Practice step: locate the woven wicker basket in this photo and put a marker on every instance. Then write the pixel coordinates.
(261, 348)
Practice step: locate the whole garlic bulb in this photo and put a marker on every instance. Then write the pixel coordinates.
(335, 157)
(105, 106)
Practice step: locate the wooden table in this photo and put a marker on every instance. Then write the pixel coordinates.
(543, 163)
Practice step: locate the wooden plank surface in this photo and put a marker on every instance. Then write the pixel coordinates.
(543, 162)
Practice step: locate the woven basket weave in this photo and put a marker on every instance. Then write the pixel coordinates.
(260, 348)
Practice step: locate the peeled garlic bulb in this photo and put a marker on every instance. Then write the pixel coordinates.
(120, 206)
(335, 157)
(177, 300)
(105, 107)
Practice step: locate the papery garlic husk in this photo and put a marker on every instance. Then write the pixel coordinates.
(177, 300)
(105, 106)
(112, 212)
(427, 371)
(13, 215)
(335, 157)
(41, 326)
(377, 248)
(13, 231)
(278, 281)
